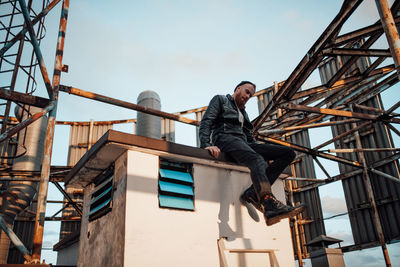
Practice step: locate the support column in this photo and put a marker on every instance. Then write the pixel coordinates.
(371, 198)
(389, 26)
(45, 172)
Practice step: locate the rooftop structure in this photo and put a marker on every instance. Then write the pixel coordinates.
(353, 73)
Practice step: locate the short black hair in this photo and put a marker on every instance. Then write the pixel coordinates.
(245, 82)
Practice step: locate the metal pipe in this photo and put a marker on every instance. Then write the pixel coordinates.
(390, 177)
(68, 197)
(11, 131)
(46, 164)
(352, 150)
(342, 135)
(14, 239)
(389, 26)
(371, 198)
(308, 126)
(125, 104)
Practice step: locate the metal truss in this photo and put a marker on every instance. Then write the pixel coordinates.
(291, 110)
(338, 101)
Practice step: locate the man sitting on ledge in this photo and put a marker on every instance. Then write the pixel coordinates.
(226, 127)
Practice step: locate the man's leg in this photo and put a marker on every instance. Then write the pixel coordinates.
(282, 156)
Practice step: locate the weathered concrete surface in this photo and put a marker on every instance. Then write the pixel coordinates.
(102, 240)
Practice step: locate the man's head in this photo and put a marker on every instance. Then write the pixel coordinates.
(243, 91)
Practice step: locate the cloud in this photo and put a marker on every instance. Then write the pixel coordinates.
(333, 205)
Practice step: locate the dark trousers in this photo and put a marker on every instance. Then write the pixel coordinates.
(255, 156)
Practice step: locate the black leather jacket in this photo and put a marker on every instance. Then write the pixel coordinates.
(222, 117)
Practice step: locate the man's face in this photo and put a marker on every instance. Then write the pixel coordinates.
(243, 94)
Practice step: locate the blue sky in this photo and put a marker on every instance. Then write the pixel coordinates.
(188, 51)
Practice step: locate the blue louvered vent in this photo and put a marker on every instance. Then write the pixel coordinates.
(101, 197)
(175, 186)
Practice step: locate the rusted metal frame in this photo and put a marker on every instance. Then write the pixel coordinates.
(322, 168)
(46, 162)
(357, 52)
(354, 96)
(309, 151)
(373, 66)
(308, 126)
(393, 108)
(327, 181)
(376, 110)
(328, 111)
(125, 104)
(340, 136)
(14, 239)
(60, 210)
(346, 175)
(306, 179)
(349, 81)
(13, 130)
(389, 26)
(14, 76)
(189, 111)
(352, 150)
(374, 90)
(393, 129)
(385, 175)
(56, 219)
(371, 198)
(367, 44)
(22, 33)
(352, 60)
(334, 95)
(36, 48)
(361, 33)
(12, 85)
(339, 98)
(70, 201)
(24, 98)
(310, 61)
(311, 99)
(87, 123)
(8, 32)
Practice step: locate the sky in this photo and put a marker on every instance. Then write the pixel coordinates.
(188, 51)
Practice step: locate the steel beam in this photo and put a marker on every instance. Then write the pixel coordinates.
(14, 239)
(125, 104)
(46, 163)
(24, 98)
(390, 29)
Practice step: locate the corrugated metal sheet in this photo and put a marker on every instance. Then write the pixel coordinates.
(168, 130)
(79, 140)
(386, 192)
(199, 115)
(24, 230)
(78, 146)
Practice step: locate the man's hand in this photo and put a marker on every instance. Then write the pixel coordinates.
(214, 150)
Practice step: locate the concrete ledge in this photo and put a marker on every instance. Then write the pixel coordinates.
(114, 143)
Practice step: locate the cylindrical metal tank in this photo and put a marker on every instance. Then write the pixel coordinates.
(148, 125)
(19, 194)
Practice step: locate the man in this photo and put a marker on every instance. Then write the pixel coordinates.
(226, 127)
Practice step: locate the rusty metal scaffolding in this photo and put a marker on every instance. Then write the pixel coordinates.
(348, 101)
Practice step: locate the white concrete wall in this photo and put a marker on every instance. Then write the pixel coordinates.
(167, 237)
